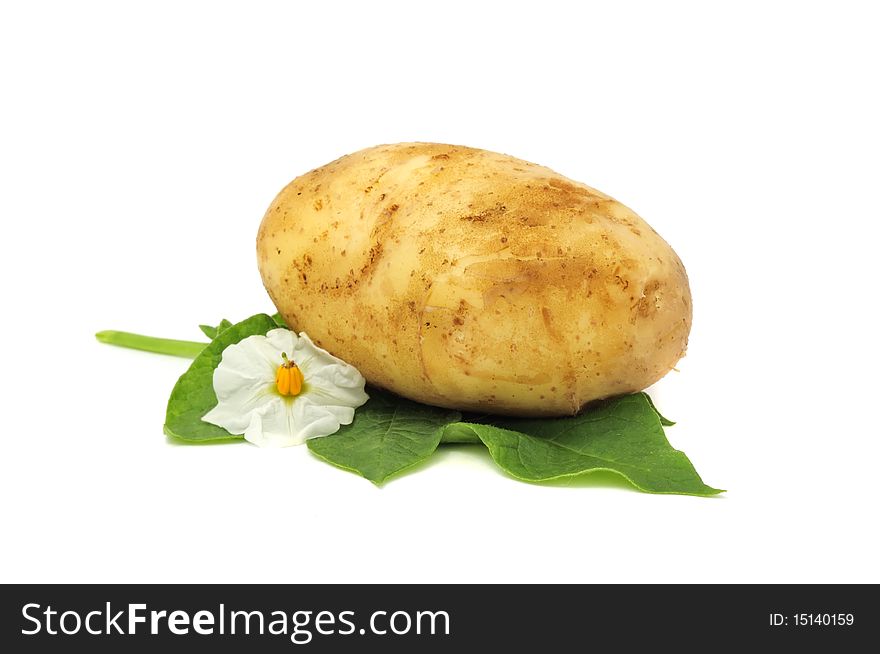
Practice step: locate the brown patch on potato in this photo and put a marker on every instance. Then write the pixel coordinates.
(375, 182)
(319, 204)
(548, 324)
(544, 206)
(650, 300)
(378, 236)
(564, 185)
(486, 214)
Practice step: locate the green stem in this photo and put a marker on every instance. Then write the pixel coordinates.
(186, 349)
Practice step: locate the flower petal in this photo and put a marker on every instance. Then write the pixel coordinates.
(233, 412)
(330, 381)
(248, 401)
(243, 381)
(282, 340)
(287, 422)
(253, 357)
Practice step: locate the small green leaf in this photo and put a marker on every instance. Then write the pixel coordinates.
(623, 435)
(279, 320)
(193, 395)
(213, 332)
(666, 422)
(388, 434)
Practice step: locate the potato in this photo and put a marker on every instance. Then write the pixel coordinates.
(473, 280)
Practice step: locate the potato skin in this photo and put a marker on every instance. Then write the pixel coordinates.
(474, 280)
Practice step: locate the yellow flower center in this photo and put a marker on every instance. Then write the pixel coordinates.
(289, 378)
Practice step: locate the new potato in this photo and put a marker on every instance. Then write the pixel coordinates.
(473, 280)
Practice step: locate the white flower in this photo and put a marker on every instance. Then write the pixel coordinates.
(281, 389)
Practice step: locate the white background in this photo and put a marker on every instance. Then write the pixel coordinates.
(140, 145)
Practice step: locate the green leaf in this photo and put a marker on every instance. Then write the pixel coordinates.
(388, 435)
(193, 395)
(666, 422)
(623, 435)
(213, 332)
(279, 320)
(458, 433)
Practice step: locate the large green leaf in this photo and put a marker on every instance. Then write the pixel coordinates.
(193, 395)
(623, 435)
(388, 434)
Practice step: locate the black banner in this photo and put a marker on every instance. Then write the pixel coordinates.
(278, 618)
